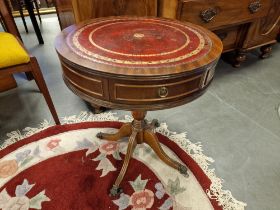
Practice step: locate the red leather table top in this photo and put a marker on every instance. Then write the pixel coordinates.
(141, 45)
(150, 42)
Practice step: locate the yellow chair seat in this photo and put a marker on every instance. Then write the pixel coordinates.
(11, 52)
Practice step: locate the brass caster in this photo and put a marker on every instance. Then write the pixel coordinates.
(115, 191)
(99, 110)
(183, 170)
(265, 51)
(99, 135)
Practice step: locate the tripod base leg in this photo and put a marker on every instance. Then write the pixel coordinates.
(151, 139)
(116, 190)
(124, 131)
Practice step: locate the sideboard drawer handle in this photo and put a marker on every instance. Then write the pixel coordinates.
(222, 36)
(163, 92)
(254, 6)
(208, 14)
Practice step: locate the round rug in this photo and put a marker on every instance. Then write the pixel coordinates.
(67, 167)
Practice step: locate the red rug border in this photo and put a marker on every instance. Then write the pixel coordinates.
(202, 178)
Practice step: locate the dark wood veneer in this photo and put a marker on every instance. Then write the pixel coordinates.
(241, 25)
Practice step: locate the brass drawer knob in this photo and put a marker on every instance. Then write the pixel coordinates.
(254, 6)
(163, 92)
(208, 14)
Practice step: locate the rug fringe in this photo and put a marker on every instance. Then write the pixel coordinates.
(17, 135)
(223, 197)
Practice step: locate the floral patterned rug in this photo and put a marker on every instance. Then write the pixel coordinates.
(67, 167)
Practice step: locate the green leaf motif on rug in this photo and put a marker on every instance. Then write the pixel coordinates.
(106, 166)
(168, 204)
(21, 201)
(24, 188)
(4, 198)
(117, 156)
(136, 152)
(148, 150)
(174, 188)
(138, 184)
(37, 151)
(122, 202)
(92, 149)
(36, 202)
(27, 160)
(100, 157)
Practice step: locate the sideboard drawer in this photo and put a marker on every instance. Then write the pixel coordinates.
(213, 14)
(229, 37)
(130, 92)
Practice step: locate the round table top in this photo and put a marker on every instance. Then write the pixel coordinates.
(138, 46)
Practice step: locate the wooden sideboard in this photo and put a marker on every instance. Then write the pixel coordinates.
(75, 11)
(241, 25)
(65, 13)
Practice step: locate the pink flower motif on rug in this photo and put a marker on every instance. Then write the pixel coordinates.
(104, 149)
(143, 199)
(109, 148)
(53, 144)
(8, 168)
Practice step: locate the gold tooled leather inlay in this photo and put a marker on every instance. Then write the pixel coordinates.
(138, 35)
(83, 52)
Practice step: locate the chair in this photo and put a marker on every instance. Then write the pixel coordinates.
(14, 59)
(2, 23)
(21, 5)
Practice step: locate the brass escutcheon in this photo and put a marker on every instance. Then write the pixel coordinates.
(163, 92)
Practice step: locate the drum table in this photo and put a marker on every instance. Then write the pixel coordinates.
(138, 64)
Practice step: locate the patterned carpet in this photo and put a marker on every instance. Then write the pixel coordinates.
(67, 167)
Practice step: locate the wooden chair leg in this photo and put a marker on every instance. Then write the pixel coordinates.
(38, 76)
(37, 9)
(20, 6)
(2, 24)
(47, 2)
(29, 75)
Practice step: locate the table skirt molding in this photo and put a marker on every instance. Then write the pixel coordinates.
(224, 197)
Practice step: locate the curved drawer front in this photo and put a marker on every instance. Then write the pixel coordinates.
(90, 85)
(131, 93)
(137, 92)
(216, 13)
